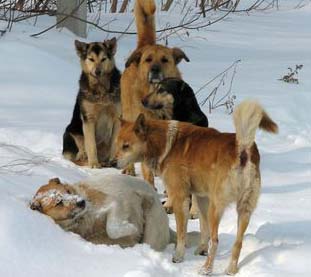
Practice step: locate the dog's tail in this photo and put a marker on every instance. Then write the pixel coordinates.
(248, 117)
(70, 149)
(145, 23)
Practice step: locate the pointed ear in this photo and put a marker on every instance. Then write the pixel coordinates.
(178, 55)
(35, 205)
(134, 58)
(122, 121)
(140, 127)
(81, 48)
(111, 45)
(54, 181)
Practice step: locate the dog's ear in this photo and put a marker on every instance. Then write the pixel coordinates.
(54, 181)
(178, 55)
(134, 58)
(122, 121)
(140, 127)
(81, 48)
(35, 205)
(111, 46)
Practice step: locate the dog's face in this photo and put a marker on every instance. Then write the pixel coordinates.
(130, 143)
(97, 58)
(156, 62)
(58, 201)
(162, 96)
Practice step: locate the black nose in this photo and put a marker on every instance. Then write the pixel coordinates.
(144, 102)
(81, 203)
(155, 68)
(97, 72)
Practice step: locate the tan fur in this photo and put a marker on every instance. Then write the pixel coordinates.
(135, 83)
(218, 168)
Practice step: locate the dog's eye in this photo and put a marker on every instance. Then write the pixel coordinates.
(161, 90)
(164, 60)
(59, 203)
(91, 59)
(149, 60)
(125, 146)
(103, 59)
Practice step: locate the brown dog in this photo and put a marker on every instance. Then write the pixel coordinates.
(146, 66)
(218, 168)
(107, 209)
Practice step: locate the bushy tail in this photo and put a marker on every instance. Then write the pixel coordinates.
(248, 117)
(145, 23)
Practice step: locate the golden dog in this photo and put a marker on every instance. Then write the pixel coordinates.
(146, 66)
(218, 168)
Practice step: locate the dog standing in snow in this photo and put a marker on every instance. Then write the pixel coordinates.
(218, 168)
(108, 209)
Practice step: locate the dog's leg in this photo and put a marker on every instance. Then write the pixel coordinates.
(245, 207)
(214, 216)
(194, 210)
(90, 143)
(79, 140)
(181, 210)
(147, 174)
(204, 230)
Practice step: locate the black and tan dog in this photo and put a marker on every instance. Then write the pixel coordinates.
(218, 168)
(177, 101)
(89, 137)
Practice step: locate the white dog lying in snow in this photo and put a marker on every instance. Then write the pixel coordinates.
(107, 209)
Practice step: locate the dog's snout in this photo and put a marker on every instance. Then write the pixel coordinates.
(144, 101)
(156, 68)
(97, 72)
(81, 203)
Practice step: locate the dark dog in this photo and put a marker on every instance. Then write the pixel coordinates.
(176, 98)
(89, 136)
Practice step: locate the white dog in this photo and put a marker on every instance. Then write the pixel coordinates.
(107, 209)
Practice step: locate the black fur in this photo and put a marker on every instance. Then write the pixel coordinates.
(186, 107)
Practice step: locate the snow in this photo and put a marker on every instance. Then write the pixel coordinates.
(38, 84)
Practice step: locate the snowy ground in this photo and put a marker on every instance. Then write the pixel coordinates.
(38, 83)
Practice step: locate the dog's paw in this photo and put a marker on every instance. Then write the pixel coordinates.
(177, 258)
(202, 250)
(232, 269)
(94, 164)
(117, 229)
(129, 171)
(81, 156)
(193, 215)
(167, 207)
(205, 270)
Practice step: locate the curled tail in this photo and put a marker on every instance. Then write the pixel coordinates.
(248, 117)
(145, 23)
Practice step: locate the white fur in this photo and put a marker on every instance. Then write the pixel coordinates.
(132, 208)
(247, 117)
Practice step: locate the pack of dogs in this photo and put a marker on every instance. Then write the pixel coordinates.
(149, 114)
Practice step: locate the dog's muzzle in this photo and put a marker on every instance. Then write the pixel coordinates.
(155, 74)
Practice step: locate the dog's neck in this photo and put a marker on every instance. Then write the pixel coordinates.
(161, 147)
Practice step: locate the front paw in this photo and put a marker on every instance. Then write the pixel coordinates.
(205, 270)
(202, 250)
(167, 207)
(178, 257)
(94, 164)
(232, 269)
(81, 156)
